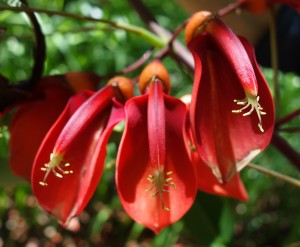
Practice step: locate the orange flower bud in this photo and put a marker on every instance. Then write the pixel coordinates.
(154, 70)
(124, 87)
(194, 24)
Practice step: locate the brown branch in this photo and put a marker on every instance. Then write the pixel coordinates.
(179, 51)
(286, 149)
(290, 129)
(13, 94)
(287, 118)
(39, 53)
(230, 8)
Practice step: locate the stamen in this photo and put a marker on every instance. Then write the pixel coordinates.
(55, 163)
(251, 101)
(160, 180)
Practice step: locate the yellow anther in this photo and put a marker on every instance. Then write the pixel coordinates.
(160, 180)
(55, 164)
(43, 183)
(252, 102)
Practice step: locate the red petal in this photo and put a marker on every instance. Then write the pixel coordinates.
(225, 140)
(134, 166)
(31, 122)
(255, 6)
(227, 43)
(156, 124)
(82, 118)
(66, 197)
(207, 182)
(82, 80)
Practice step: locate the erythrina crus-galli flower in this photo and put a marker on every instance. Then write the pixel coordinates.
(154, 175)
(232, 111)
(69, 163)
(206, 180)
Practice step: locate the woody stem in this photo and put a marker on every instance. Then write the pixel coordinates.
(287, 179)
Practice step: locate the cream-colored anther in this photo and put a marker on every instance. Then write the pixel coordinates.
(251, 102)
(56, 167)
(159, 181)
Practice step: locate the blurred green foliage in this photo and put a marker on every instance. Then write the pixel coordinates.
(270, 218)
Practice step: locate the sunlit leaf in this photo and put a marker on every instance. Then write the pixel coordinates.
(49, 5)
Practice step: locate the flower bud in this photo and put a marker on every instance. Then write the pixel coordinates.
(195, 24)
(154, 70)
(124, 87)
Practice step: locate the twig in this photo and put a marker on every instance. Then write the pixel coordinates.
(285, 148)
(290, 130)
(39, 54)
(287, 179)
(230, 8)
(288, 118)
(179, 51)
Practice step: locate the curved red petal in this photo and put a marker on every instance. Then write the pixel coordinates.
(82, 117)
(134, 167)
(207, 182)
(31, 122)
(227, 43)
(226, 141)
(79, 81)
(156, 123)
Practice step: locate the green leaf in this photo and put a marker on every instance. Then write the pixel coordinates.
(49, 5)
(202, 220)
(100, 219)
(226, 222)
(168, 236)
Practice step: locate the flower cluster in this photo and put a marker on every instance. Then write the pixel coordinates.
(170, 147)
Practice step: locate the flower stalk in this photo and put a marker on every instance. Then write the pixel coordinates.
(282, 177)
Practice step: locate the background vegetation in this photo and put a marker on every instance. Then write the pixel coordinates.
(271, 216)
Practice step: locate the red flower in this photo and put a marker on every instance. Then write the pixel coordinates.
(232, 112)
(258, 6)
(207, 182)
(155, 178)
(34, 117)
(69, 163)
